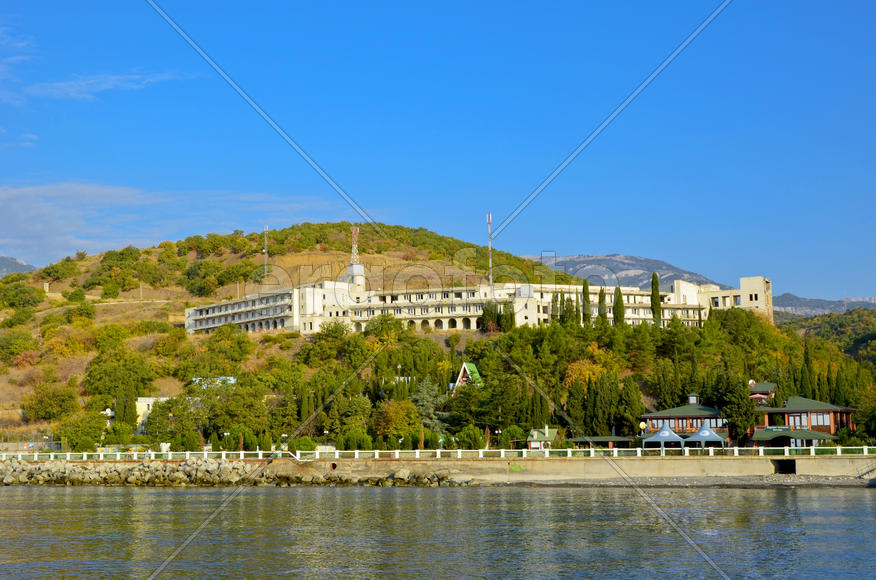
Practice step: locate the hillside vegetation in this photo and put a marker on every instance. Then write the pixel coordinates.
(64, 358)
(853, 331)
(207, 266)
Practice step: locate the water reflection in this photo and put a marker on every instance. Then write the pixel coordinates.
(344, 532)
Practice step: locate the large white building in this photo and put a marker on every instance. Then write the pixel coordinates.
(306, 307)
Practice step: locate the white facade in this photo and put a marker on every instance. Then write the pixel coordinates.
(304, 308)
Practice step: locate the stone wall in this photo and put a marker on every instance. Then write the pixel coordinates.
(433, 472)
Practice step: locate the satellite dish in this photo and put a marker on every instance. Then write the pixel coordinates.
(751, 382)
(642, 424)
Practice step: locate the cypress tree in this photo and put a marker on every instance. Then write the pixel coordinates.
(555, 306)
(656, 308)
(585, 302)
(618, 310)
(603, 310)
(805, 383)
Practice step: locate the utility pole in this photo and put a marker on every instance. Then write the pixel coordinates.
(490, 248)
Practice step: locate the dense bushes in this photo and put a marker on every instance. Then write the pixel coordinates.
(50, 401)
(17, 295)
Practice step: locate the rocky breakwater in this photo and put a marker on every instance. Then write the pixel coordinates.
(205, 472)
(145, 473)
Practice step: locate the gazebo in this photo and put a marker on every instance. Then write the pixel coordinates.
(705, 434)
(663, 436)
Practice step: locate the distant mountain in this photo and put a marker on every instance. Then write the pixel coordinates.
(623, 270)
(788, 302)
(10, 265)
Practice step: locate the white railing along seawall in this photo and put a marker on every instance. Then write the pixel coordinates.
(442, 454)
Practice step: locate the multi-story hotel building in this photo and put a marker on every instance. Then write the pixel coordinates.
(304, 308)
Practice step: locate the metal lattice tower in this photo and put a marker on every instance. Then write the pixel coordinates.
(354, 256)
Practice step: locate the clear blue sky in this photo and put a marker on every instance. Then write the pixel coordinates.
(752, 153)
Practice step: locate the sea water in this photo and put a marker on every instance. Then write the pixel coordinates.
(353, 532)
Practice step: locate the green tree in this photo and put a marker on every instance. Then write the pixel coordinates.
(83, 431)
(739, 411)
(585, 303)
(512, 437)
(50, 402)
(630, 407)
(15, 342)
(126, 406)
(118, 370)
(386, 328)
(603, 309)
(506, 321)
(357, 438)
(394, 419)
(428, 398)
(618, 309)
(230, 342)
(471, 437)
(490, 317)
(656, 308)
(641, 347)
(111, 337)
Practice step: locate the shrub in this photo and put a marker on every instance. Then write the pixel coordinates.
(144, 327)
(110, 290)
(84, 310)
(356, 438)
(111, 337)
(50, 401)
(20, 296)
(15, 342)
(77, 295)
(82, 431)
(471, 437)
(190, 441)
(19, 317)
(120, 433)
(265, 443)
(302, 444)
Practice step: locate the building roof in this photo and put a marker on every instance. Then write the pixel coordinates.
(693, 410)
(469, 369)
(803, 434)
(705, 434)
(664, 435)
(762, 388)
(802, 404)
(542, 435)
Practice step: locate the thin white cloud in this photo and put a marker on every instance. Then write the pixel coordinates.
(10, 39)
(43, 223)
(82, 87)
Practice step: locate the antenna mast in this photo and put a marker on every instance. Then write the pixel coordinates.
(490, 248)
(354, 256)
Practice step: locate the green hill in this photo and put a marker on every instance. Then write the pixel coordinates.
(93, 343)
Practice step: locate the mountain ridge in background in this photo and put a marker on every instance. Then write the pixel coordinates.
(625, 270)
(11, 265)
(794, 304)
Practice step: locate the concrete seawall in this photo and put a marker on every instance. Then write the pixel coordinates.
(577, 470)
(645, 471)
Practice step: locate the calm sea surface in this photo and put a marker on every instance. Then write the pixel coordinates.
(436, 532)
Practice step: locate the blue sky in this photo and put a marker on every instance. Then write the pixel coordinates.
(752, 153)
